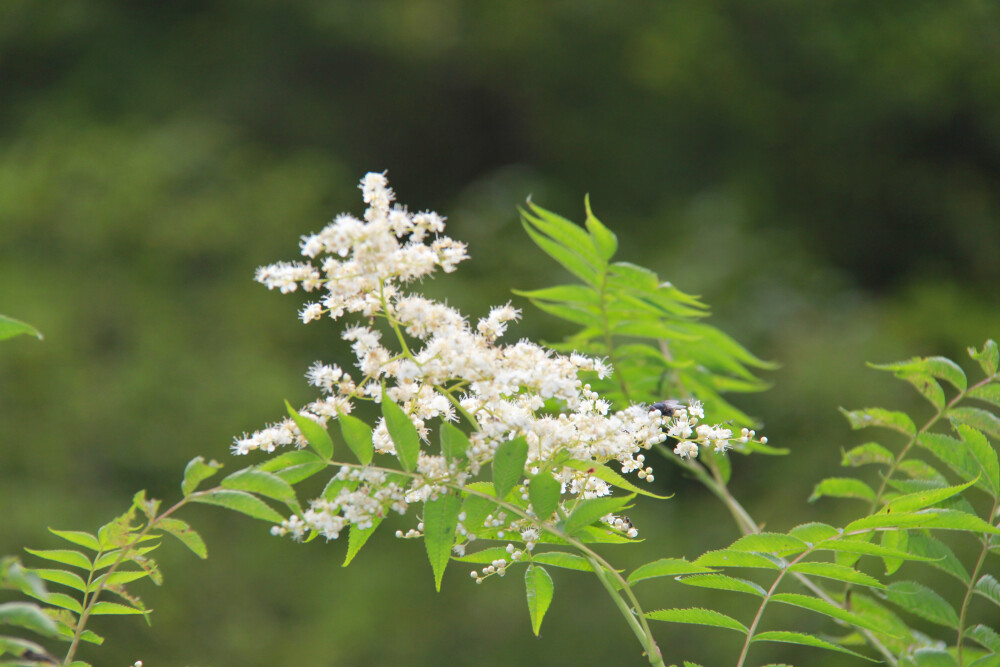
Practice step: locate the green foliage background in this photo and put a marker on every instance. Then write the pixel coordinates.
(824, 174)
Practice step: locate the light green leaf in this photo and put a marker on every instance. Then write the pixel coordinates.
(183, 532)
(836, 571)
(870, 452)
(666, 567)
(484, 556)
(9, 327)
(591, 510)
(955, 454)
(543, 490)
(988, 357)
(314, 433)
(64, 556)
(293, 466)
(989, 588)
(856, 546)
(928, 387)
(921, 543)
(79, 538)
(261, 483)
(842, 487)
(893, 539)
(113, 608)
(196, 472)
(697, 616)
(729, 558)
(814, 532)
(921, 601)
(985, 636)
(977, 418)
(928, 656)
(608, 475)
(929, 518)
(356, 538)
(62, 601)
(566, 294)
(605, 241)
(18, 647)
(117, 577)
(569, 259)
(240, 501)
(984, 454)
(440, 521)
(896, 421)
(454, 442)
(912, 502)
(508, 465)
(804, 640)
(825, 608)
(939, 367)
(772, 543)
(565, 232)
(29, 616)
(563, 559)
(989, 393)
(64, 577)
(539, 588)
(723, 582)
(403, 433)
(986, 661)
(358, 437)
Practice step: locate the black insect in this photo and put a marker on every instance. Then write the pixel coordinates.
(666, 408)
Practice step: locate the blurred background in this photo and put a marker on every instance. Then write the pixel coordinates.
(824, 174)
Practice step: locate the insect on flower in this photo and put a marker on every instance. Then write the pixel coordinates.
(666, 407)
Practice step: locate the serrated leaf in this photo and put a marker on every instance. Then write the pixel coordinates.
(9, 327)
(260, 483)
(986, 661)
(928, 387)
(64, 577)
(314, 433)
(939, 367)
(666, 567)
(988, 357)
(18, 647)
(605, 241)
(837, 572)
(984, 455)
(568, 259)
(728, 558)
(539, 590)
(293, 466)
(403, 433)
(454, 442)
(440, 521)
(543, 490)
(608, 475)
(563, 559)
(893, 539)
(117, 577)
(29, 616)
(814, 532)
(579, 295)
(358, 437)
(825, 608)
(185, 533)
(772, 543)
(990, 393)
(977, 418)
(591, 510)
(508, 465)
(114, 609)
(595, 535)
(870, 452)
(804, 640)
(62, 601)
(931, 656)
(724, 583)
(79, 538)
(985, 636)
(955, 454)
(912, 502)
(896, 421)
(940, 555)
(919, 470)
(842, 487)
(64, 556)
(240, 501)
(196, 472)
(856, 546)
(989, 588)
(921, 601)
(356, 538)
(697, 616)
(930, 518)
(484, 556)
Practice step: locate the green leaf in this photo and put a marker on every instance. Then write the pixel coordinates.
(985, 636)
(855, 546)
(543, 490)
(314, 433)
(723, 582)
(356, 538)
(989, 588)
(921, 601)
(508, 465)
(579, 295)
(562, 559)
(293, 466)
(932, 656)
(984, 454)
(870, 452)
(454, 442)
(939, 367)
(728, 558)
(842, 487)
(591, 510)
(183, 532)
(928, 387)
(440, 521)
(484, 556)
(29, 616)
(196, 472)
(666, 567)
(921, 543)
(912, 502)
(569, 259)
(773, 543)
(988, 357)
(697, 616)
(835, 571)
(64, 577)
(825, 608)
(64, 556)
(240, 501)
(18, 647)
(539, 588)
(894, 539)
(986, 661)
(977, 418)
(261, 483)
(403, 433)
(814, 532)
(116, 578)
(929, 518)
(804, 640)
(9, 327)
(114, 609)
(955, 454)
(896, 421)
(79, 538)
(62, 601)
(358, 437)
(989, 393)
(605, 241)
(608, 475)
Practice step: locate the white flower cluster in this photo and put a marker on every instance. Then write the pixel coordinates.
(684, 424)
(439, 367)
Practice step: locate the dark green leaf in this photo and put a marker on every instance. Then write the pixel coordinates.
(543, 490)
(539, 588)
(454, 443)
(566, 294)
(196, 472)
(440, 521)
(989, 588)
(403, 433)
(955, 454)
(984, 636)
(697, 616)
(921, 601)
(591, 510)
(921, 543)
(314, 433)
(358, 437)
(508, 465)
(986, 661)
(240, 501)
(984, 455)
(823, 607)
(484, 556)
